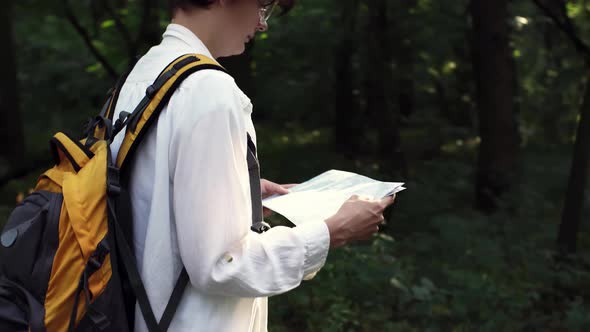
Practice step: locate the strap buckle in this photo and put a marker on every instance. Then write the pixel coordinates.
(260, 227)
(99, 320)
(151, 91)
(121, 122)
(113, 183)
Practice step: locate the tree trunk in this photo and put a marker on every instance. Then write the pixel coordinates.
(404, 56)
(551, 100)
(379, 83)
(149, 30)
(494, 74)
(347, 120)
(571, 214)
(240, 67)
(574, 199)
(11, 126)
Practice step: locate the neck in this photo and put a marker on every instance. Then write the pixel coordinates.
(203, 23)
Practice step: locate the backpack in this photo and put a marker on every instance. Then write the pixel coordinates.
(65, 259)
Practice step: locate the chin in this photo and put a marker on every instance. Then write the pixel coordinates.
(235, 51)
(239, 50)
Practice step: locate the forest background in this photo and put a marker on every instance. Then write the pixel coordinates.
(481, 107)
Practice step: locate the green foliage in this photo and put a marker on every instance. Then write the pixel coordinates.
(441, 266)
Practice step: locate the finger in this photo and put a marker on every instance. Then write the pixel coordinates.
(371, 229)
(365, 198)
(278, 189)
(377, 216)
(289, 186)
(387, 201)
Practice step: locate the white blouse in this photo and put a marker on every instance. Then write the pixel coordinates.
(191, 203)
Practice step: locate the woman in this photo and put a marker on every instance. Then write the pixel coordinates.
(195, 209)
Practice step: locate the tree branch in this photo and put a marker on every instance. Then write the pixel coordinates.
(565, 24)
(88, 41)
(132, 46)
(145, 21)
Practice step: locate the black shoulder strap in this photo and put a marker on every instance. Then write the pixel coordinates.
(156, 98)
(113, 95)
(137, 125)
(258, 224)
(174, 300)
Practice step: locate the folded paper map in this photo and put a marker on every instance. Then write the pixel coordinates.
(322, 196)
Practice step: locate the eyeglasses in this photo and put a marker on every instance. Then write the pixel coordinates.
(266, 11)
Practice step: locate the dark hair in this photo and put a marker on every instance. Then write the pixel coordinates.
(285, 5)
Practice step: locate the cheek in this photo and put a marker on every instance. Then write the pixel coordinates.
(235, 42)
(244, 27)
(245, 17)
(250, 21)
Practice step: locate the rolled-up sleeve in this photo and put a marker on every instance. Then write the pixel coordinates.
(212, 206)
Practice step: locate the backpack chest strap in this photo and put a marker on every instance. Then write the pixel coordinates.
(258, 224)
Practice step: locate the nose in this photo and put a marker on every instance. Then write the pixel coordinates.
(262, 26)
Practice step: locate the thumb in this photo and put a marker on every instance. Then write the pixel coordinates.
(387, 201)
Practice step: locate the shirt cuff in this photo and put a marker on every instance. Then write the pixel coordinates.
(316, 239)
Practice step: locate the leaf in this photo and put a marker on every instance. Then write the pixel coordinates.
(421, 293)
(398, 284)
(107, 24)
(428, 284)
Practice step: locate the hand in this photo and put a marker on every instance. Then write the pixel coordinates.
(358, 219)
(268, 188)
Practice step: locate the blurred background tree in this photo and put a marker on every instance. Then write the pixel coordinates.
(494, 78)
(11, 126)
(481, 107)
